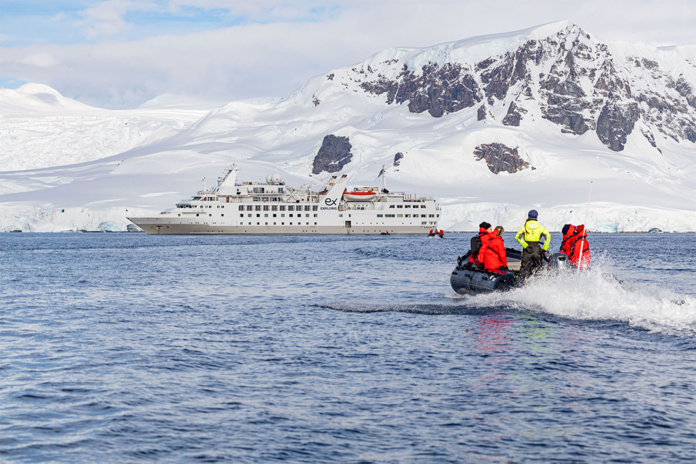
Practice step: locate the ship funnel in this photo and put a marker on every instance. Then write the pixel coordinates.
(226, 185)
(334, 193)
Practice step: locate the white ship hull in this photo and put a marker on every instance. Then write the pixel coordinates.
(153, 227)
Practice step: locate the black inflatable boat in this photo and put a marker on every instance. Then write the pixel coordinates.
(468, 279)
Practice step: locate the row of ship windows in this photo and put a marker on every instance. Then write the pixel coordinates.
(424, 223)
(341, 215)
(265, 215)
(407, 215)
(283, 207)
(278, 207)
(275, 215)
(260, 207)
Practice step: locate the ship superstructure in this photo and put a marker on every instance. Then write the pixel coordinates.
(274, 208)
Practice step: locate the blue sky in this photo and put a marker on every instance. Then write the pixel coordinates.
(66, 22)
(120, 53)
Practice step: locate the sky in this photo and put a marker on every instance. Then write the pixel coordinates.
(121, 53)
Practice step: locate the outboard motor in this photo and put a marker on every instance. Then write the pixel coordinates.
(558, 261)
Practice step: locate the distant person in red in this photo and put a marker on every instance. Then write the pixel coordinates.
(575, 239)
(442, 233)
(494, 257)
(479, 243)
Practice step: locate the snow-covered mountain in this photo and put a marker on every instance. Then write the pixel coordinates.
(492, 126)
(39, 128)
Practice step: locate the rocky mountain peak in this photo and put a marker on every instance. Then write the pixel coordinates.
(557, 71)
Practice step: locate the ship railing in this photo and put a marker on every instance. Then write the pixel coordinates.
(359, 206)
(267, 199)
(411, 196)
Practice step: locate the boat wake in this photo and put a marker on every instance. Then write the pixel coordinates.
(434, 309)
(592, 295)
(597, 296)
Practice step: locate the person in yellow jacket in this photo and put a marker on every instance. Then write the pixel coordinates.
(529, 236)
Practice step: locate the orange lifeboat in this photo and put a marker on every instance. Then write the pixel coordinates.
(360, 195)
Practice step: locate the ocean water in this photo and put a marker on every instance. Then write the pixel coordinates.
(119, 348)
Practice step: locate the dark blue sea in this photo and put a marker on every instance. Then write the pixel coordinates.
(127, 348)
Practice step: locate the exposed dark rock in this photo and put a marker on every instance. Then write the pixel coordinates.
(315, 100)
(513, 116)
(438, 90)
(482, 113)
(484, 64)
(512, 68)
(689, 131)
(500, 158)
(650, 64)
(615, 123)
(685, 91)
(651, 139)
(497, 79)
(563, 98)
(397, 158)
(330, 76)
(333, 154)
(570, 122)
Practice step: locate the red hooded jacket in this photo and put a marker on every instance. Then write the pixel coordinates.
(573, 240)
(494, 257)
(483, 235)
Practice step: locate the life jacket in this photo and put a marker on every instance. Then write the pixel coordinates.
(478, 242)
(485, 244)
(574, 240)
(532, 231)
(566, 241)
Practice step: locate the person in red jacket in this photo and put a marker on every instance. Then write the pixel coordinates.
(575, 240)
(565, 241)
(482, 238)
(494, 257)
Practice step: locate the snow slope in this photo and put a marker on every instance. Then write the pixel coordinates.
(41, 128)
(635, 189)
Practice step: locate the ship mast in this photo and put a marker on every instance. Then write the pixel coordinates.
(383, 173)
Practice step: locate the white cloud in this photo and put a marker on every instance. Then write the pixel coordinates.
(283, 43)
(40, 60)
(107, 18)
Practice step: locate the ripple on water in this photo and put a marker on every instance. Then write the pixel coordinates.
(128, 348)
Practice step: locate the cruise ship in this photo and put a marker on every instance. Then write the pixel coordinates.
(274, 208)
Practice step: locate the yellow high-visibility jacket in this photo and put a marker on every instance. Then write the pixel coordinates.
(532, 231)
